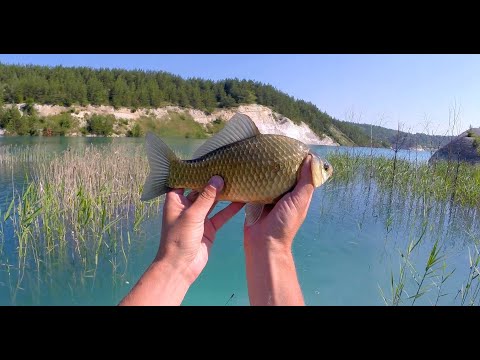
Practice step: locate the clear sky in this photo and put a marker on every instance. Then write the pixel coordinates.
(417, 91)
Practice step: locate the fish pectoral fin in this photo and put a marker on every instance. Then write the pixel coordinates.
(253, 213)
(239, 127)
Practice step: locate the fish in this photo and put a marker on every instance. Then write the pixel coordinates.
(257, 169)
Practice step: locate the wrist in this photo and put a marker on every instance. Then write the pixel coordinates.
(268, 245)
(170, 261)
(161, 284)
(271, 275)
(269, 253)
(177, 271)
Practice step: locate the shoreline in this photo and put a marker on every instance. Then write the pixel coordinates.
(267, 120)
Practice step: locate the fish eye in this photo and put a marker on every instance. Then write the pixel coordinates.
(326, 166)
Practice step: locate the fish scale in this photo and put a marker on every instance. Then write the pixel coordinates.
(257, 170)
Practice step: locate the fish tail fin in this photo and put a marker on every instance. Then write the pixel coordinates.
(159, 158)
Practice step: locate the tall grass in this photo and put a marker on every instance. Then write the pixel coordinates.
(80, 208)
(16, 155)
(80, 204)
(470, 292)
(429, 193)
(442, 181)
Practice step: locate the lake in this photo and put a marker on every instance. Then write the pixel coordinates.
(347, 252)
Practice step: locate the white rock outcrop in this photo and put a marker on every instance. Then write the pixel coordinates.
(267, 121)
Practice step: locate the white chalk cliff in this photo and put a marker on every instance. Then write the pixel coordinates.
(267, 121)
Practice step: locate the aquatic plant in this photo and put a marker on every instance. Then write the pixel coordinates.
(427, 192)
(442, 181)
(78, 206)
(77, 210)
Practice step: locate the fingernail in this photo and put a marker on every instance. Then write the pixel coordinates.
(216, 182)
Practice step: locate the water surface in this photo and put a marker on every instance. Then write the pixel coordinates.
(346, 252)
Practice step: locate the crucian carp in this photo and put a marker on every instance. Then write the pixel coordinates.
(257, 169)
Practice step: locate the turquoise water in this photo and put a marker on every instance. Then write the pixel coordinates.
(346, 252)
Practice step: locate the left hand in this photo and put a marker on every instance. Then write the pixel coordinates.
(187, 232)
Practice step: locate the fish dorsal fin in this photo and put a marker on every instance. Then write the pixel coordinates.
(239, 127)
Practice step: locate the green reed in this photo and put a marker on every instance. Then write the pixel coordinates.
(470, 291)
(424, 188)
(82, 206)
(442, 181)
(74, 205)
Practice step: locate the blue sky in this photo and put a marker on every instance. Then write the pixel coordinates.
(416, 91)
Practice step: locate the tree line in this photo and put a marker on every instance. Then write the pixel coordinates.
(139, 88)
(405, 140)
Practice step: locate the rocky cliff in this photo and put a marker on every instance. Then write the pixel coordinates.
(267, 121)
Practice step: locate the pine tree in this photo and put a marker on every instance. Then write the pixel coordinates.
(2, 91)
(96, 92)
(56, 92)
(143, 95)
(120, 93)
(155, 95)
(209, 100)
(196, 97)
(12, 120)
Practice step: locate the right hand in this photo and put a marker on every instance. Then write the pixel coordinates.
(279, 224)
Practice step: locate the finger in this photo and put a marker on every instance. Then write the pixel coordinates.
(304, 188)
(174, 195)
(192, 196)
(206, 198)
(175, 191)
(173, 206)
(220, 218)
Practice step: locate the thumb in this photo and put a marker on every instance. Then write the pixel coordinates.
(303, 191)
(206, 198)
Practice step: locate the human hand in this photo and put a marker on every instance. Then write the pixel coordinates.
(271, 273)
(186, 239)
(279, 223)
(187, 232)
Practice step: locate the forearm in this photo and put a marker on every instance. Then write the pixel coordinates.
(272, 277)
(161, 284)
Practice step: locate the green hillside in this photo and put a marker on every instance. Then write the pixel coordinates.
(137, 88)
